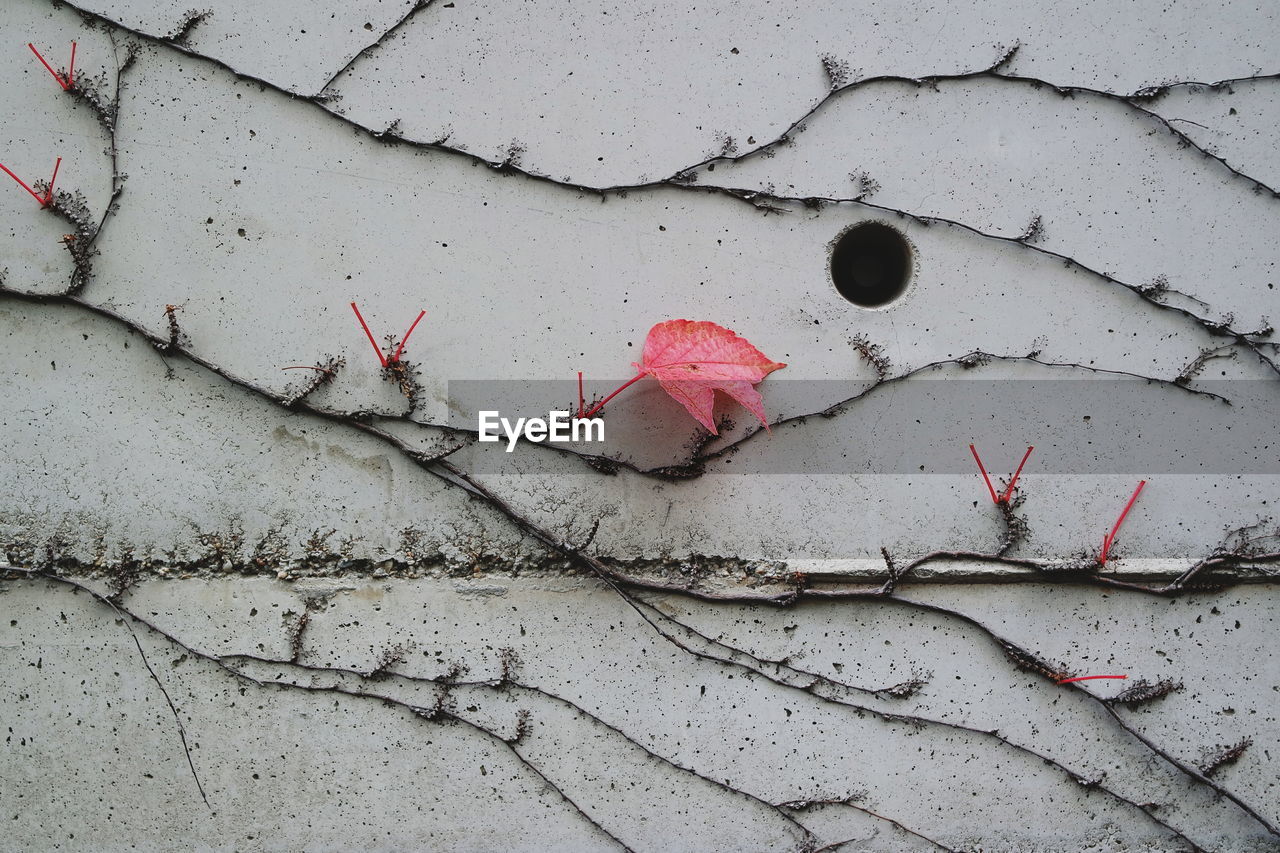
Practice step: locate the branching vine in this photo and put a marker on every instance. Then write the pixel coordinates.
(622, 584)
(1255, 341)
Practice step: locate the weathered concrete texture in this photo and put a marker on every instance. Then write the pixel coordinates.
(1143, 209)
(181, 459)
(615, 92)
(356, 643)
(625, 92)
(260, 216)
(639, 733)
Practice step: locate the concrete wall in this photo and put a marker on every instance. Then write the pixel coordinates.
(247, 609)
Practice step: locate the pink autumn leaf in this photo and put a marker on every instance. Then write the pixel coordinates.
(694, 359)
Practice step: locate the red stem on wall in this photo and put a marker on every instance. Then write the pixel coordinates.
(983, 469)
(1008, 492)
(405, 339)
(48, 197)
(43, 199)
(598, 406)
(1111, 537)
(65, 84)
(382, 359)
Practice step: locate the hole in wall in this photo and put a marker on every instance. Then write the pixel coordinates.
(871, 264)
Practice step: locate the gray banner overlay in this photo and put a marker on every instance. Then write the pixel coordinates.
(924, 426)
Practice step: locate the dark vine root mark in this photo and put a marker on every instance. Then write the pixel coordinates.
(125, 574)
(325, 372)
(177, 337)
(404, 376)
(1224, 756)
(1142, 691)
(1197, 365)
(190, 20)
(849, 802)
(771, 203)
(1029, 662)
(1088, 678)
(874, 355)
(297, 623)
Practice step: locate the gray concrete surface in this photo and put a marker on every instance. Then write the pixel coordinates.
(260, 217)
(93, 760)
(548, 182)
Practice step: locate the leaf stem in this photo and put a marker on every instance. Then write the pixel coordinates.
(405, 339)
(1008, 492)
(48, 197)
(56, 76)
(983, 469)
(598, 406)
(1111, 537)
(23, 184)
(381, 358)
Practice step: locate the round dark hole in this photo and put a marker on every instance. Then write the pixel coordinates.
(871, 264)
